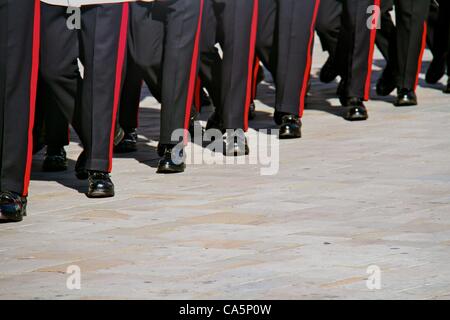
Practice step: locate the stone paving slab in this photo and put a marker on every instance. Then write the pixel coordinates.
(347, 196)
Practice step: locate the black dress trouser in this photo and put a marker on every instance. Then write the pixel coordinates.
(284, 45)
(439, 32)
(51, 127)
(232, 24)
(356, 45)
(91, 103)
(409, 41)
(328, 26)
(163, 48)
(19, 58)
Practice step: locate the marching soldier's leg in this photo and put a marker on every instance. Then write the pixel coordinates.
(60, 72)
(210, 60)
(296, 29)
(56, 136)
(145, 52)
(355, 54)
(19, 54)
(180, 70)
(129, 107)
(411, 21)
(384, 34)
(236, 33)
(328, 26)
(445, 15)
(386, 41)
(266, 48)
(157, 35)
(103, 49)
(439, 41)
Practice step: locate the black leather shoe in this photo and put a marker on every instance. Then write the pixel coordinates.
(128, 143)
(214, 122)
(328, 73)
(100, 185)
(236, 144)
(406, 98)
(170, 162)
(13, 207)
(356, 110)
(290, 125)
(80, 167)
(252, 111)
(436, 70)
(55, 160)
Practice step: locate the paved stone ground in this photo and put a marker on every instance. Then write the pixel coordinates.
(347, 196)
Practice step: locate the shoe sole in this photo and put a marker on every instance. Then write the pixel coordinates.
(99, 195)
(289, 136)
(356, 118)
(403, 105)
(170, 170)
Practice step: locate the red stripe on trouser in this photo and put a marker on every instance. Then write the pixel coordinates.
(422, 50)
(193, 75)
(308, 60)
(255, 77)
(251, 61)
(198, 88)
(119, 69)
(33, 92)
(373, 35)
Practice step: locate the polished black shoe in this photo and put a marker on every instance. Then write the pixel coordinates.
(80, 167)
(406, 98)
(436, 70)
(356, 110)
(290, 125)
(385, 86)
(128, 143)
(100, 185)
(55, 160)
(236, 144)
(328, 73)
(172, 160)
(252, 111)
(214, 122)
(13, 207)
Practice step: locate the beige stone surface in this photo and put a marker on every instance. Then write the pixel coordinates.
(347, 196)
